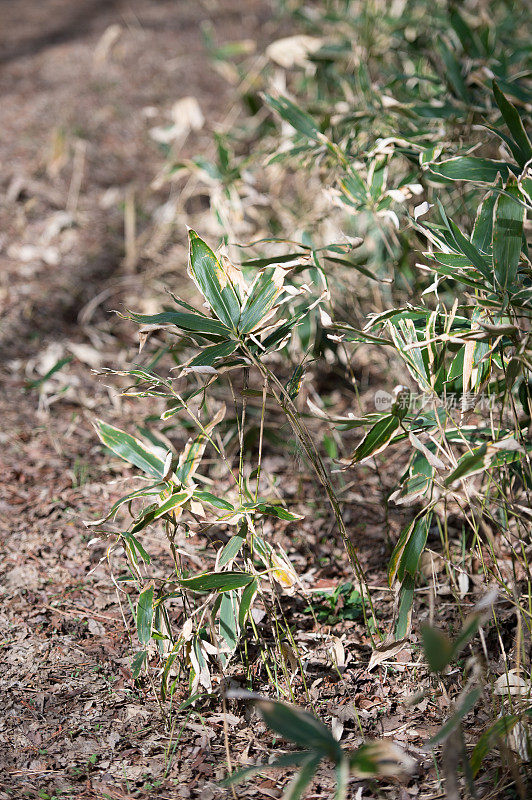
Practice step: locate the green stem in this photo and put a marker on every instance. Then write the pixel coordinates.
(303, 436)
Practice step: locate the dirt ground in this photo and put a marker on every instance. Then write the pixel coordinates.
(83, 85)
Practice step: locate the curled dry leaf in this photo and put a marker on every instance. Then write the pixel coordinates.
(512, 684)
(386, 652)
(293, 51)
(186, 116)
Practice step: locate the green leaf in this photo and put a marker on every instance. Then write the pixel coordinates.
(145, 615)
(231, 549)
(413, 547)
(296, 787)
(469, 250)
(186, 322)
(467, 36)
(377, 438)
(209, 355)
(469, 629)
(515, 125)
(137, 663)
(469, 464)
(358, 268)
(453, 72)
(245, 603)
(271, 260)
(483, 228)
(56, 367)
(299, 727)
(294, 115)
(512, 146)
(265, 291)
(470, 168)
(216, 581)
(276, 511)
(286, 760)
(217, 502)
(227, 620)
(171, 503)
(354, 190)
(466, 705)
(136, 547)
(398, 550)
(404, 613)
(213, 282)
(130, 449)
(497, 732)
(342, 779)
(508, 222)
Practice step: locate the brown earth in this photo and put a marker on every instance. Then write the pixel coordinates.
(82, 85)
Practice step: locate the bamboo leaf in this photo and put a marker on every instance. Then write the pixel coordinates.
(286, 760)
(465, 706)
(261, 300)
(216, 581)
(245, 603)
(145, 615)
(186, 322)
(227, 620)
(483, 229)
(438, 648)
(497, 732)
(377, 438)
(213, 281)
(137, 663)
(508, 222)
(176, 500)
(299, 727)
(470, 168)
(515, 125)
(217, 502)
(130, 449)
(296, 787)
(231, 549)
(404, 612)
(209, 355)
(136, 547)
(294, 115)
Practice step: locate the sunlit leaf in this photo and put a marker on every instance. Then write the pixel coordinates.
(216, 581)
(377, 438)
(261, 299)
(183, 321)
(130, 449)
(231, 549)
(173, 502)
(214, 282)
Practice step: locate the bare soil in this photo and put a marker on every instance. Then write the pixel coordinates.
(82, 84)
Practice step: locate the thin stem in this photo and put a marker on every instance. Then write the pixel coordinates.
(302, 434)
(261, 435)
